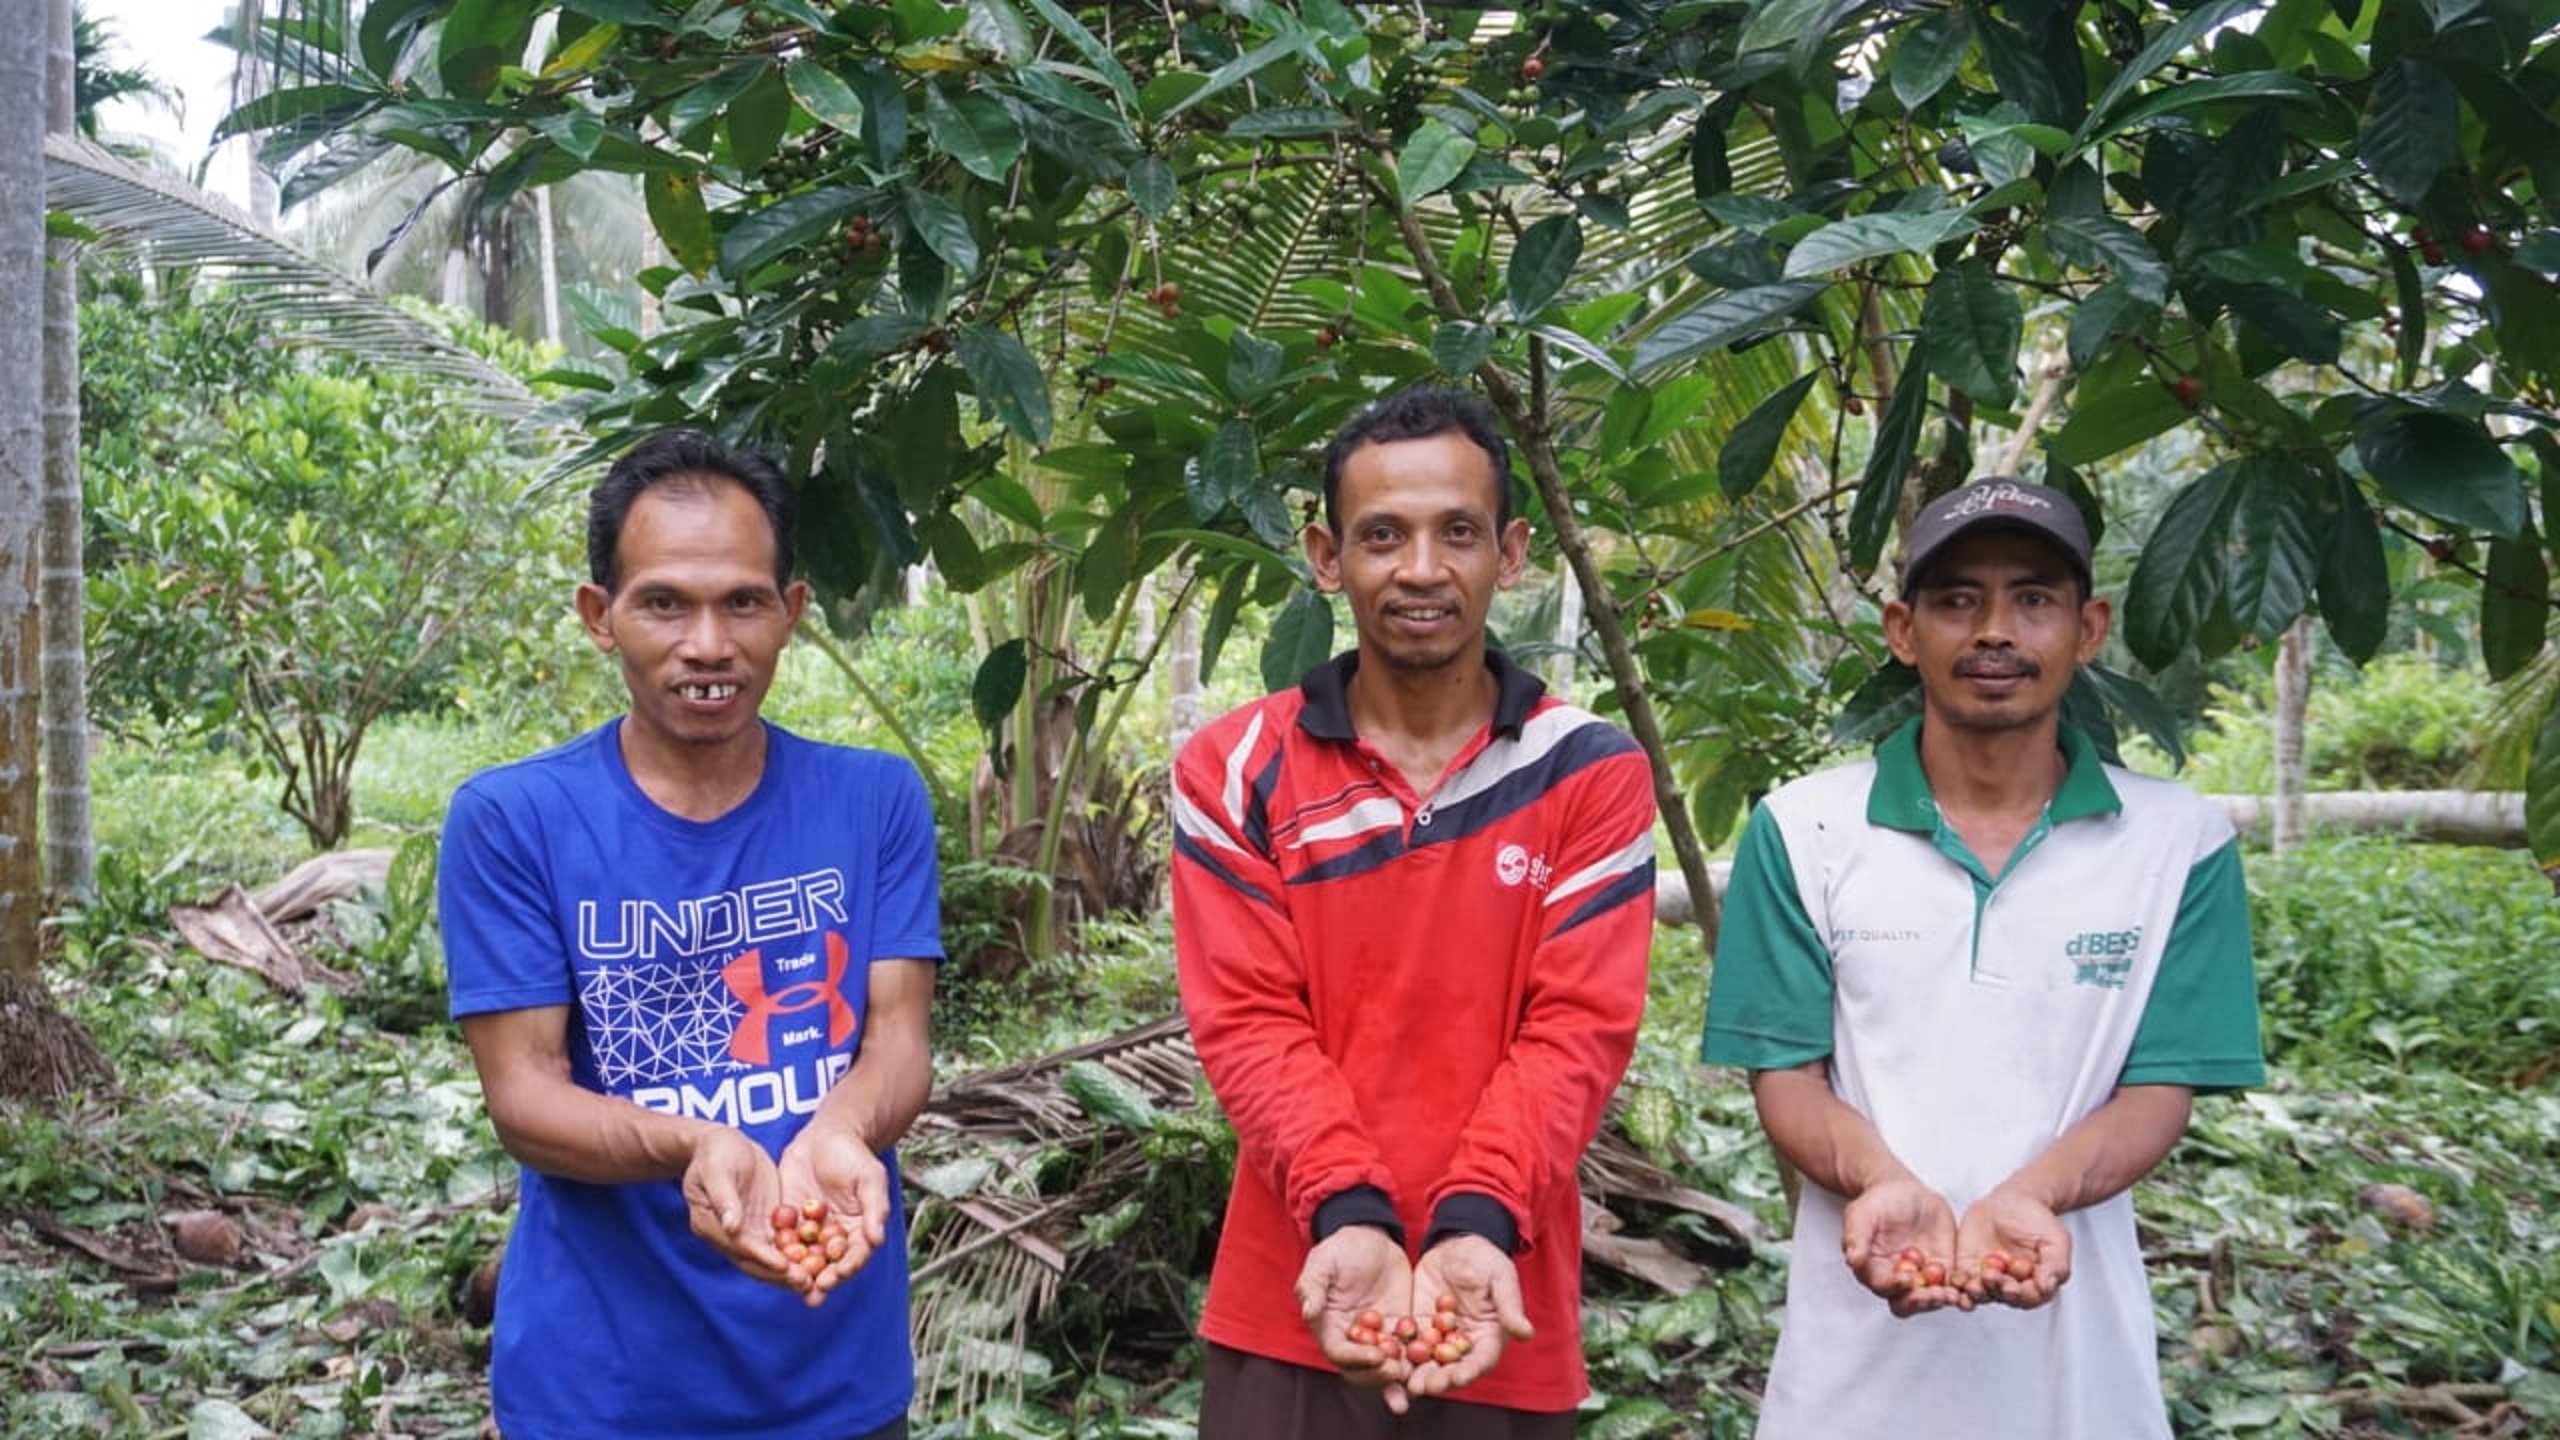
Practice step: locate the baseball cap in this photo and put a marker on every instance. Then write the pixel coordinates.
(1997, 502)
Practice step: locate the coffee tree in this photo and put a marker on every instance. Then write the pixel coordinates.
(1078, 290)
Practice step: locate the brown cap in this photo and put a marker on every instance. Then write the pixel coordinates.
(1996, 502)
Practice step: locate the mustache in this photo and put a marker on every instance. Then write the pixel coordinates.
(1997, 667)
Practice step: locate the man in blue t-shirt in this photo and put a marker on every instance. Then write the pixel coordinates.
(693, 956)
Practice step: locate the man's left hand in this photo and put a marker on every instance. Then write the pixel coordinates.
(833, 1165)
(1474, 1272)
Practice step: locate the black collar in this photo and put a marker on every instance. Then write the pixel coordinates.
(1328, 690)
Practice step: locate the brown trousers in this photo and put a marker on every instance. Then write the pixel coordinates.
(1247, 1397)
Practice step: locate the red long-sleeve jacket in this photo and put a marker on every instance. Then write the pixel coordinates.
(1429, 994)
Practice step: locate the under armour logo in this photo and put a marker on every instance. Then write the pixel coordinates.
(751, 1042)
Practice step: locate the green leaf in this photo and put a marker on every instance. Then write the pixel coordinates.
(2294, 325)
(997, 687)
(1287, 122)
(477, 41)
(2104, 240)
(1151, 187)
(2446, 466)
(1301, 638)
(2170, 99)
(677, 213)
(1738, 315)
(2542, 798)
(757, 120)
(1242, 68)
(1930, 54)
(764, 234)
(976, 130)
(1897, 440)
(2412, 128)
(1431, 159)
(1542, 263)
(2116, 420)
(956, 556)
(2273, 519)
(1091, 47)
(1007, 381)
(944, 230)
(2355, 578)
(1778, 24)
(1752, 448)
(1459, 346)
(1888, 696)
(824, 95)
(2515, 604)
(2110, 311)
(2178, 581)
(1863, 237)
(1973, 324)
(2136, 702)
(2165, 46)
(1102, 571)
(1106, 1098)
(1225, 473)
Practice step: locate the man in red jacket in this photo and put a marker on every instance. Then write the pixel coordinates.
(1412, 901)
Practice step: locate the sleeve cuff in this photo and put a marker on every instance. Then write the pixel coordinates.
(1359, 1205)
(1472, 1214)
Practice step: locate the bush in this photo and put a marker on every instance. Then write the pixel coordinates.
(2403, 722)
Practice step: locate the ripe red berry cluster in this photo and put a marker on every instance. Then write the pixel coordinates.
(861, 236)
(1167, 298)
(1914, 1270)
(809, 1240)
(1417, 1339)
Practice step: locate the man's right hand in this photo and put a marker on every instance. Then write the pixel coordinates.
(1357, 1268)
(730, 1190)
(1892, 1216)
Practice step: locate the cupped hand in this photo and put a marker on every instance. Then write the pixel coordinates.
(1358, 1272)
(2015, 1226)
(1885, 1224)
(1483, 1285)
(834, 1167)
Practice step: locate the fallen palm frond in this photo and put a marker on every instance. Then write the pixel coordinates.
(1083, 1186)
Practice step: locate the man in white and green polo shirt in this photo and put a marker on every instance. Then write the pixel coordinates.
(1977, 980)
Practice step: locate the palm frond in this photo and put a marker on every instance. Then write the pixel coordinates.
(162, 220)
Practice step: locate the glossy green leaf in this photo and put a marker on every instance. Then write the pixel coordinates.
(2515, 604)
(2164, 46)
(1542, 262)
(1752, 448)
(676, 212)
(762, 235)
(1928, 57)
(997, 687)
(944, 230)
(2275, 560)
(1739, 315)
(1301, 638)
(2114, 421)
(2135, 701)
(1973, 323)
(2412, 128)
(756, 121)
(2355, 577)
(477, 41)
(1430, 160)
(1223, 474)
(975, 129)
(1103, 571)
(1778, 24)
(2179, 579)
(2212, 90)
(1151, 187)
(824, 95)
(1097, 55)
(1287, 122)
(2546, 454)
(2283, 318)
(1888, 696)
(1844, 243)
(2105, 241)
(1007, 380)
(1889, 463)
(1459, 346)
(955, 552)
(2446, 466)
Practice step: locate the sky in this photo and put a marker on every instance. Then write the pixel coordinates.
(166, 37)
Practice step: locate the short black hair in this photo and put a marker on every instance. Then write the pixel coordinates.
(685, 459)
(1418, 413)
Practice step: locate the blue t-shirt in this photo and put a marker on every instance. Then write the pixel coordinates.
(712, 969)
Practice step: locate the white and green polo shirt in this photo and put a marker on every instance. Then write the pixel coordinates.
(1973, 1018)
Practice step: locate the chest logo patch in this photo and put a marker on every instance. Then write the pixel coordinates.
(2103, 958)
(753, 1040)
(1514, 864)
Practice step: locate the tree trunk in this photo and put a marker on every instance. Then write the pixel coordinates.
(2447, 817)
(1568, 636)
(70, 854)
(42, 1053)
(1182, 683)
(2293, 704)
